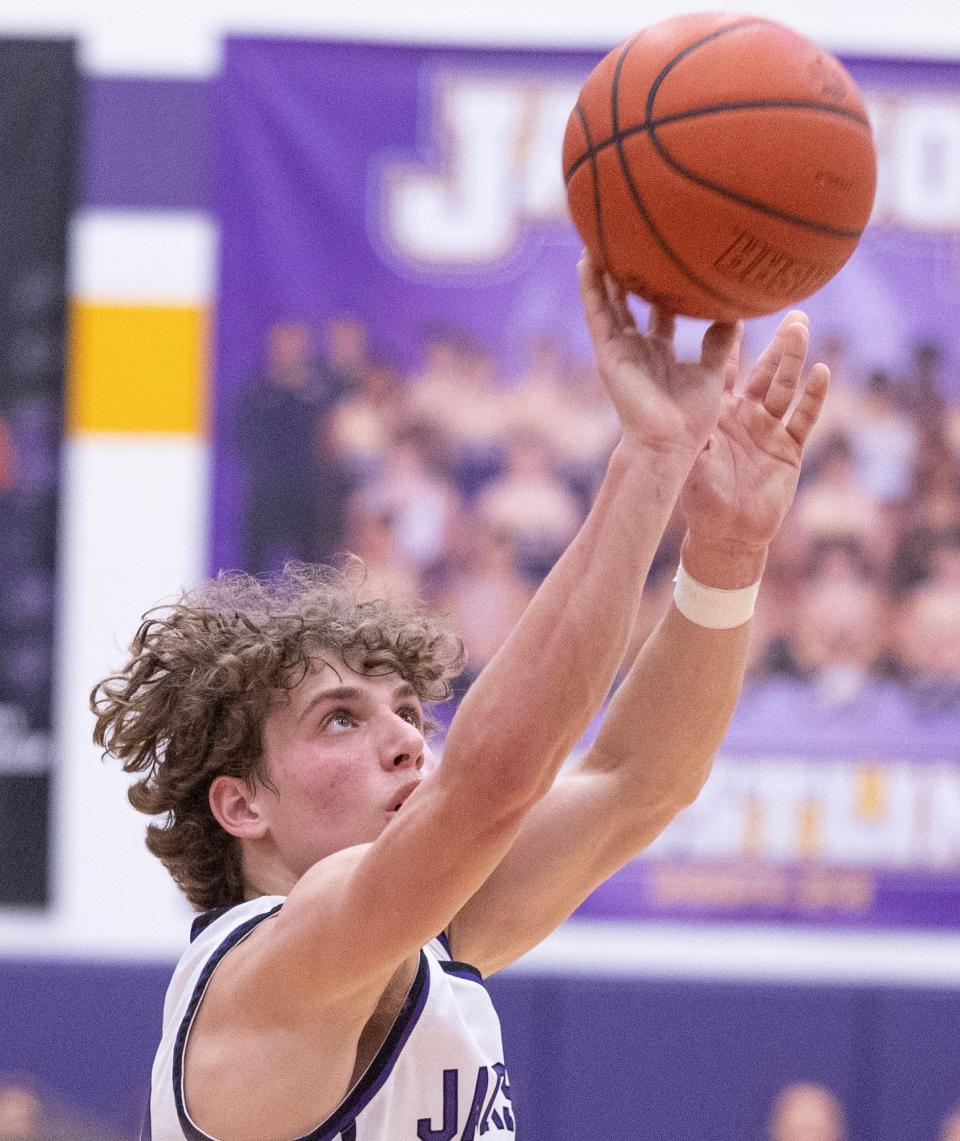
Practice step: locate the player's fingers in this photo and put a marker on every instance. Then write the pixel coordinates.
(596, 304)
(810, 404)
(718, 343)
(769, 360)
(731, 369)
(784, 382)
(618, 304)
(662, 323)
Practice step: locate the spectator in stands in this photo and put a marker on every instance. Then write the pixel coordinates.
(276, 423)
(807, 1111)
(842, 621)
(833, 504)
(26, 1116)
(531, 504)
(21, 1113)
(950, 1129)
(423, 505)
(433, 392)
(372, 536)
(933, 508)
(929, 625)
(486, 594)
(344, 360)
(475, 421)
(537, 398)
(775, 618)
(884, 443)
(921, 393)
(563, 400)
(363, 423)
(842, 409)
(460, 394)
(586, 437)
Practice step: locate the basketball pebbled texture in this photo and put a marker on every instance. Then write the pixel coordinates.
(721, 166)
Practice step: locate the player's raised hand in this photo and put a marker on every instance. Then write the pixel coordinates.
(664, 403)
(744, 481)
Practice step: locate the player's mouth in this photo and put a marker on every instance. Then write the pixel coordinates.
(401, 795)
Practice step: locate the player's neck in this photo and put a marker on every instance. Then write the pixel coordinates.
(264, 873)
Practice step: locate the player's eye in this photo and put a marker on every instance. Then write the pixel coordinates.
(338, 719)
(412, 714)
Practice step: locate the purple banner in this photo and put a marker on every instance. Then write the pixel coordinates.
(378, 203)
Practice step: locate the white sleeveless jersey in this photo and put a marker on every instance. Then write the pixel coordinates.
(439, 1075)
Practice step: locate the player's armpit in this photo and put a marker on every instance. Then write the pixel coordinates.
(583, 831)
(355, 916)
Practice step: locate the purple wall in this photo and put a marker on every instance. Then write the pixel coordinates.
(590, 1059)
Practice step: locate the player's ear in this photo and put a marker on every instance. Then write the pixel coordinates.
(236, 807)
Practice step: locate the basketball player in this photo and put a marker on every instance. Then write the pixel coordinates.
(361, 891)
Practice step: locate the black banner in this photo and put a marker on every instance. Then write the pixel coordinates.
(38, 132)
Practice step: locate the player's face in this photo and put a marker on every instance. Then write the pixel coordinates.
(342, 754)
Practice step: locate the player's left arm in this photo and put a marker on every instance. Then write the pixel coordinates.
(670, 713)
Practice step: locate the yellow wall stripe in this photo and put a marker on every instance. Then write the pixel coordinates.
(137, 368)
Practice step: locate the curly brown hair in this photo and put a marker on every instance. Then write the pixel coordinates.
(203, 672)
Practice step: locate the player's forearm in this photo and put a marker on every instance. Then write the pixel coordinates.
(670, 714)
(533, 701)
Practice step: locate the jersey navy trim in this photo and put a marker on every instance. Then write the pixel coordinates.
(202, 922)
(190, 1130)
(342, 1121)
(462, 971)
(345, 1115)
(444, 940)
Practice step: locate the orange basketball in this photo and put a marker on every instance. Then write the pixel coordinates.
(719, 165)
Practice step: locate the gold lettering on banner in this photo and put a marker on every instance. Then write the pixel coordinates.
(695, 887)
(728, 888)
(836, 890)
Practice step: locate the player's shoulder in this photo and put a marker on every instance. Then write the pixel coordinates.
(212, 928)
(212, 935)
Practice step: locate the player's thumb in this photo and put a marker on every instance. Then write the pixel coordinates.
(719, 343)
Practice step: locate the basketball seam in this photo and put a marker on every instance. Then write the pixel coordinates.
(715, 187)
(713, 109)
(635, 194)
(615, 139)
(596, 185)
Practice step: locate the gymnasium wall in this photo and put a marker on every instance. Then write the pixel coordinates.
(82, 980)
(143, 264)
(596, 1058)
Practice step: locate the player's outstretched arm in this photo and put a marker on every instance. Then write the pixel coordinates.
(354, 916)
(531, 704)
(669, 715)
(522, 716)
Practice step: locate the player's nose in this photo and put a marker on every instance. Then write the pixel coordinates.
(404, 746)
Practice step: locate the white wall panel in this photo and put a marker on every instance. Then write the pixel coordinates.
(143, 257)
(182, 37)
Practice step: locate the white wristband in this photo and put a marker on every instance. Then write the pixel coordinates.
(712, 607)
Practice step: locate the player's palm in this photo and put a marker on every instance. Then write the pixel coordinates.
(743, 482)
(668, 404)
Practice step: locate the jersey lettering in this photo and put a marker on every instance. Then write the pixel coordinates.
(479, 1093)
(447, 1131)
(484, 1111)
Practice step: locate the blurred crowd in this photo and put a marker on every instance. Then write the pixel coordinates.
(810, 1111)
(462, 485)
(30, 1113)
(800, 1111)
